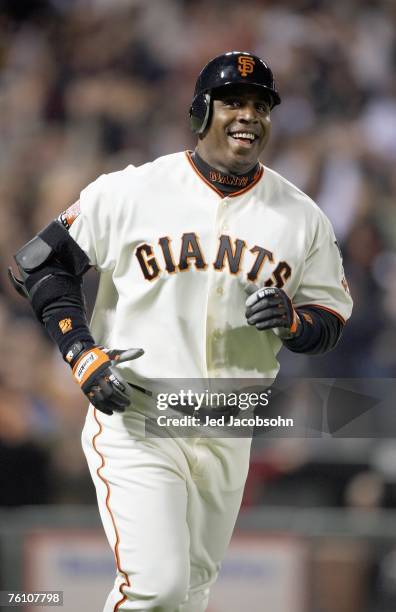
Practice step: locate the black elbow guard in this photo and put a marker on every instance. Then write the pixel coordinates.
(51, 266)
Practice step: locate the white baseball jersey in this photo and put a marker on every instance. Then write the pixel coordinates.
(175, 258)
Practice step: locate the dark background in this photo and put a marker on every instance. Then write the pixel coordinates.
(88, 87)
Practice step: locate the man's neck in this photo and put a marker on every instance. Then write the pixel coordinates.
(227, 183)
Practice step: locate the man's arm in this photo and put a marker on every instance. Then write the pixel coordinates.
(320, 333)
(52, 265)
(314, 322)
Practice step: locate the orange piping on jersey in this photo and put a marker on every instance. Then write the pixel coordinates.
(116, 553)
(334, 312)
(224, 195)
(201, 176)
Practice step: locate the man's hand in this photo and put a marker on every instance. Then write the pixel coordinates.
(271, 308)
(102, 384)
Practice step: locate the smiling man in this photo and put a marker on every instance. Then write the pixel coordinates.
(210, 262)
(240, 128)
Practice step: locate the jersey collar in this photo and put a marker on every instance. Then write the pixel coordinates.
(225, 185)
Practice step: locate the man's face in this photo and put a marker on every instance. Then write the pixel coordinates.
(239, 128)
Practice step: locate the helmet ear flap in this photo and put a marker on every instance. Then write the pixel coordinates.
(200, 113)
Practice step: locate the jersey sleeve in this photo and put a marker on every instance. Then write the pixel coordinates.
(93, 227)
(323, 282)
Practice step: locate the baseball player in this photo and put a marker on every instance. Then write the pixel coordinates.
(210, 262)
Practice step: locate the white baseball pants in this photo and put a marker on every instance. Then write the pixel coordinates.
(168, 507)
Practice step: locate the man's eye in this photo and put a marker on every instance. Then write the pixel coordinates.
(263, 108)
(232, 102)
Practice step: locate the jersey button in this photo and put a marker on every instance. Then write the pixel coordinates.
(220, 290)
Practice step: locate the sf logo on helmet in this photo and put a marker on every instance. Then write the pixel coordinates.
(245, 65)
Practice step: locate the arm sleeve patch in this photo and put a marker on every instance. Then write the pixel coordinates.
(68, 216)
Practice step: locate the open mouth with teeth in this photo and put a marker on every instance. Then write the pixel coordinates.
(245, 138)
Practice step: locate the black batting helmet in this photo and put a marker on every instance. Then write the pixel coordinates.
(229, 69)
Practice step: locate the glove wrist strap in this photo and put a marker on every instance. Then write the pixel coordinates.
(89, 362)
(295, 328)
(75, 351)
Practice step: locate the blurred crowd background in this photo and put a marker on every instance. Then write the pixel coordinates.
(89, 86)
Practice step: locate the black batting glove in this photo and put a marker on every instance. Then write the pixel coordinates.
(271, 308)
(93, 370)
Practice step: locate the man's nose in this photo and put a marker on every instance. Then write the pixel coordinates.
(247, 112)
